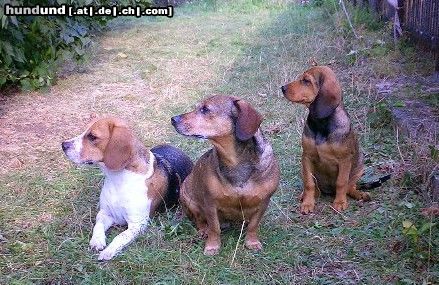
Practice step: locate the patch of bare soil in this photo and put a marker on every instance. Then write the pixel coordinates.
(415, 117)
(33, 125)
(418, 121)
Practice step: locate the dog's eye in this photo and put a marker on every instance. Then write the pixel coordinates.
(91, 137)
(204, 110)
(306, 81)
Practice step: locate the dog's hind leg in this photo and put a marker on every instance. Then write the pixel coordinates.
(357, 194)
(353, 192)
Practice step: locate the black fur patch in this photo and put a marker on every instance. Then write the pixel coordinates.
(320, 129)
(375, 183)
(248, 156)
(239, 175)
(177, 165)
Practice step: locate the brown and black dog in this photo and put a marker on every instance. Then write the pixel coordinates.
(236, 178)
(331, 157)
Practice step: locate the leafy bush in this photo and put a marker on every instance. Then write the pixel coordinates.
(32, 46)
(365, 17)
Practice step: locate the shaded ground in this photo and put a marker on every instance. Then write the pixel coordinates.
(417, 108)
(147, 70)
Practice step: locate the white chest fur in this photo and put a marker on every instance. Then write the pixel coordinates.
(123, 200)
(124, 196)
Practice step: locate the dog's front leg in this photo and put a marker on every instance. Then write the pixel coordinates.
(251, 239)
(342, 183)
(309, 191)
(103, 222)
(123, 239)
(213, 242)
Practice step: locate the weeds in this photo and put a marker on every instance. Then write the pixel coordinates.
(239, 48)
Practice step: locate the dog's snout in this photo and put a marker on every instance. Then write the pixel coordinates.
(66, 145)
(284, 89)
(175, 120)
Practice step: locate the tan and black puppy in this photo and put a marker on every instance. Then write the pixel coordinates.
(236, 178)
(331, 159)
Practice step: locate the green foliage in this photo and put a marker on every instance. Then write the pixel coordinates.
(434, 152)
(31, 46)
(419, 238)
(412, 232)
(380, 115)
(364, 17)
(330, 6)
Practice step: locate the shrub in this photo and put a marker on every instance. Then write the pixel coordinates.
(32, 46)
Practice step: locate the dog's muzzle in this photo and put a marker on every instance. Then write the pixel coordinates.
(175, 120)
(66, 145)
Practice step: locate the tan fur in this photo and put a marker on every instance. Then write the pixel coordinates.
(157, 185)
(113, 143)
(331, 163)
(235, 179)
(101, 142)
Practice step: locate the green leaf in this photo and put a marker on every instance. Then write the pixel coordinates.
(7, 47)
(85, 41)
(4, 19)
(24, 74)
(26, 84)
(399, 104)
(407, 224)
(14, 20)
(426, 227)
(434, 152)
(19, 56)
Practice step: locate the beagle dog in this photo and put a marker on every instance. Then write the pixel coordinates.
(331, 158)
(236, 178)
(137, 181)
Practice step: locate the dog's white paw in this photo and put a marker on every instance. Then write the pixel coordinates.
(97, 242)
(106, 254)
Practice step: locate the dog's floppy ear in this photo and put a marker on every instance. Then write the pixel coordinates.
(328, 96)
(119, 148)
(248, 120)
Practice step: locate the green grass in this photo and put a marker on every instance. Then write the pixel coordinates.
(246, 49)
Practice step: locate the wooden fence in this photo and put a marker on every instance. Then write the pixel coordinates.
(419, 17)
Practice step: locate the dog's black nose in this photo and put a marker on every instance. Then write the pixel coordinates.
(175, 120)
(284, 89)
(66, 145)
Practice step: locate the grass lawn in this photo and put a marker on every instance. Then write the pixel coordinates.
(147, 70)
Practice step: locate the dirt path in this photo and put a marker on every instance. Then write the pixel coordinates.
(33, 125)
(142, 72)
(148, 70)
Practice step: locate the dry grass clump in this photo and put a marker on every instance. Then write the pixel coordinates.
(148, 70)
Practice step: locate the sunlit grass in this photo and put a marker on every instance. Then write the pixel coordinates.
(246, 49)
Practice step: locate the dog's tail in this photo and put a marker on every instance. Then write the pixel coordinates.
(177, 165)
(375, 182)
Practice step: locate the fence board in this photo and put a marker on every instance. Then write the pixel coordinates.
(419, 17)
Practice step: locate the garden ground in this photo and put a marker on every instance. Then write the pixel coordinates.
(147, 70)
